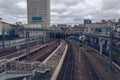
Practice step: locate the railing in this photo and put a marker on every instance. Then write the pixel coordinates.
(23, 68)
(11, 66)
(104, 34)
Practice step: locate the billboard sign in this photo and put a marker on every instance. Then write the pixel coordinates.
(87, 21)
(34, 19)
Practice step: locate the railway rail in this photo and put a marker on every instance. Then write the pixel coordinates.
(66, 72)
(92, 72)
(13, 49)
(41, 54)
(67, 69)
(55, 60)
(22, 53)
(23, 46)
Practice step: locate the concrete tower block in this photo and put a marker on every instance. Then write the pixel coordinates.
(38, 12)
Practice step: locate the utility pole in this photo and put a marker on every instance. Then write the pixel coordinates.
(3, 41)
(27, 51)
(3, 35)
(27, 46)
(110, 49)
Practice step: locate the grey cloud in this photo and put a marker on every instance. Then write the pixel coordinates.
(60, 8)
(106, 14)
(95, 9)
(64, 10)
(110, 5)
(11, 11)
(71, 2)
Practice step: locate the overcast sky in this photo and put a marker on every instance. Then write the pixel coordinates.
(68, 11)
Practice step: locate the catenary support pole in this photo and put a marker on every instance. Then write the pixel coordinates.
(110, 50)
(28, 51)
(3, 41)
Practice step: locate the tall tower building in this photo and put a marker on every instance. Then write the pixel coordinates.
(38, 12)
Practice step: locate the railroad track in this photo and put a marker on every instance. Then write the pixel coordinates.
(33, 53)
(13, 49)
(66, 72)
(41, 55)
(22, 53)
(93, 73)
